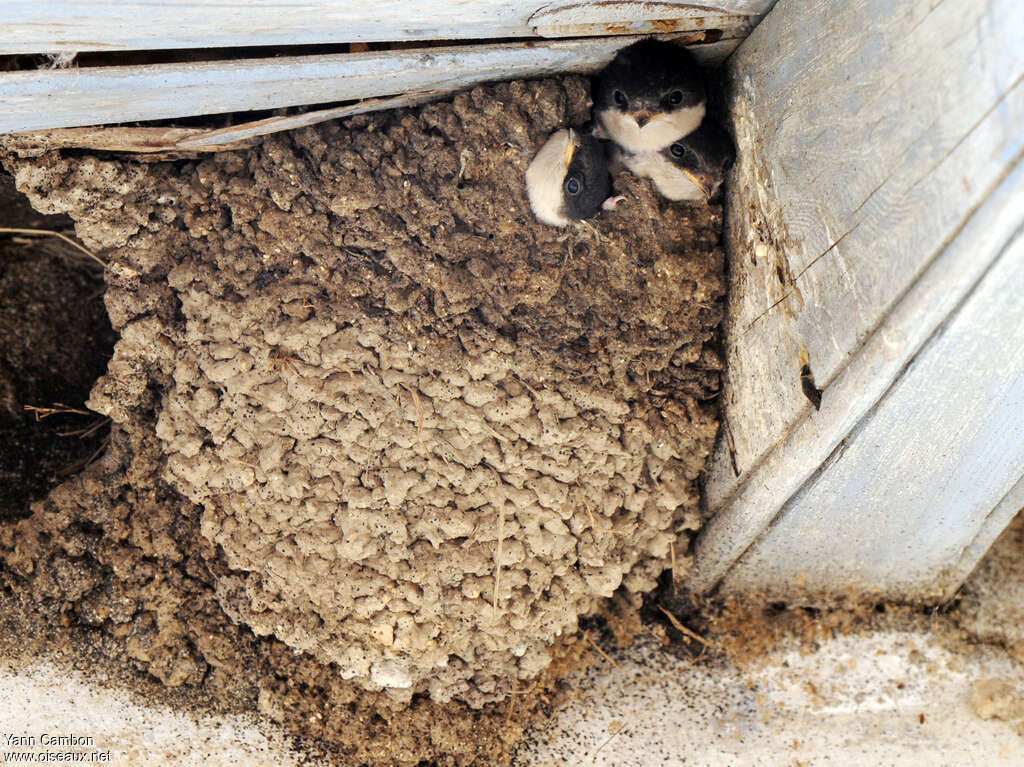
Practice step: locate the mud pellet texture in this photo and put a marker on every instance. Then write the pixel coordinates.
(426, 433)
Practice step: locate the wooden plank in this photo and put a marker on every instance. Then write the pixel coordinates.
(225, 138)
(896, 510)
(572, 18)
(190, 140)
(108, 25)
(814, 442)
(856, 172)
(994, 525)
(73, 98)
(139, 140)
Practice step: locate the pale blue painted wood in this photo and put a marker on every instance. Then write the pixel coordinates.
(95, 96)
(34, 26)
(814, 447)
(572, 18)
(900, 506)
(868, 153)
(859, 166)
(1009, 507)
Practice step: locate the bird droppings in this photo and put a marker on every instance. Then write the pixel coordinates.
(395, 426)
(998, 699)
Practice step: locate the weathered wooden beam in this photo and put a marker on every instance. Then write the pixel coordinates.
(119, 139)
(109, 25)
(95, 96)
(938, 462)
(226, 138)
(866, 151)
(572, 18)
(191, 140)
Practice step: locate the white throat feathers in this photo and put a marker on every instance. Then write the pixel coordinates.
(655, 135)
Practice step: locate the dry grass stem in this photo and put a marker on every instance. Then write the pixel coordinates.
(87, 431)
(606, 741)
(593, 522)
(57, 409)
(77, 466)
(673, 549)
(497, 556)
(607, 657)
(420, 415)
(52, 233)
(686, 630)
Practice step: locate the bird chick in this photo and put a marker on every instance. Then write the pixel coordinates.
(569, 179)
(692, 168)
(651, 94)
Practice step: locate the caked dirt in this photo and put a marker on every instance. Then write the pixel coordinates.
(379, 440)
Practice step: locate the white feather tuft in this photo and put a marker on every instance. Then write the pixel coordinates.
(670, 181)
(657, 134)
(545, 176)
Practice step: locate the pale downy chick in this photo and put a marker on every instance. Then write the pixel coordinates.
(569, 179)
(692, 168)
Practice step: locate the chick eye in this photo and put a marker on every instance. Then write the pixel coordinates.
(677, 150)
(572, 185)
(620, 98)
(675, 98)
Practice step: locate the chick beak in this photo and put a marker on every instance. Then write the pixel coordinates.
(703, 181)
(570, 147)
(643, 117)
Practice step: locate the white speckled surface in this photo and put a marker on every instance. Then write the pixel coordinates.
(857, 701)
(45, 699)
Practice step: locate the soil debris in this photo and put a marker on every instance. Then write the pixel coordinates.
(56, 340)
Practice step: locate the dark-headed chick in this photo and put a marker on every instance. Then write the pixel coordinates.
(651, 94)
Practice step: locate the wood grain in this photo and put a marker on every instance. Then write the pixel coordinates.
(865, 151)
(226, 138)
(895, 512)
(571, 18)
(99, 95)
(193, 140)
(119, 139)
(110, 25)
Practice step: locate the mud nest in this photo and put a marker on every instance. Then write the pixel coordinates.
(426, 433)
